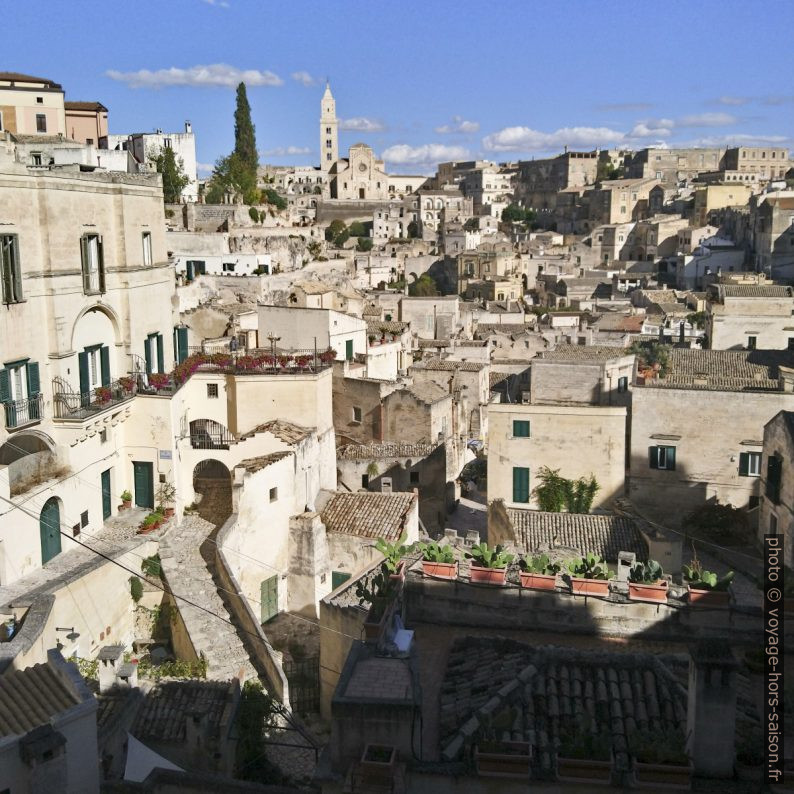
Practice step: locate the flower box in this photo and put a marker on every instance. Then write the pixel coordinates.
(584, 770)
(719, 599)
(503, 759)
(374, 626)
(440, 570)
(656, 593)
(377, 763)
(663, 777)
(592, 587)
(538, 581)
(497, 576)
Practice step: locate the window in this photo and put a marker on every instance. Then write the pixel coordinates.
(9, 268)
(273, 494)
(365, 480)
(35, 158)
(89, 141)
(520, 484)
(520, 428)
(41, 122)
(153, 353)
(327, 130)
(84, 518)
(623, 384)
(662, 458)
(228, 267)
(146, 239)
(774, 472)
(751, 341)
(328, 144)
(791, 343)
(212, 391)
(328, 156)
(356, 414)
(93, 264)
(750, 464)
(39, 100)
(167, 143)
(338, 578)
(414, 478)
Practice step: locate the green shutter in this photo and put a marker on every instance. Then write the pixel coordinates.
(653, 457)
(181, 338)
(34, 383)
(84, 264)
(744, 464)
(5, 386)
(671, 458)
(520, 484)
(82, 361)
(160, 361)
(100, 263)
(16, 269)
(147, 354)
(520, 428)
(104, 364)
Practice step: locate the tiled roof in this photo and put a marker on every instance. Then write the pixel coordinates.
(450, 365)
(539, 692)
(260, 462)
(371, 310)
(389, 449)
(486, 329)
(724, 370)
(584, 353)
(288, 432)
(368, 515)
(166, 707)
(428, 392)
(390, 326)
(32, 697)
(628, 323)
(596, 534)
(315, 288)
(17, 77)
(495, 378)
(757, 291)
(431, 343)
(84, 106)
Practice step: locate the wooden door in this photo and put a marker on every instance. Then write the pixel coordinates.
(50, 530)
(144, 484)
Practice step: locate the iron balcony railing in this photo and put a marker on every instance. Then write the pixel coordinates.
(82, 405)
(19, 413)
(208, 434)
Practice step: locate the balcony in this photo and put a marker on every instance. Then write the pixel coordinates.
(77, 406)
(21, 413)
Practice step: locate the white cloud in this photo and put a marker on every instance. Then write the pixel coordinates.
(742, 140)
(217, 3)
(459, 125)
(205, 168)
(304, 78)
(706, 120)
(424, 155)
(733, 101)
(525, 139)
(286, 151)
(218, 75)
(362, 124)
(652, 128)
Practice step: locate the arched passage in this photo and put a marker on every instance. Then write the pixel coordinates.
(22, 444)
(212, 483)
(50, 529)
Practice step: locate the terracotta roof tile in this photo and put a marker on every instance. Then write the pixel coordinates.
(584, 353)
(389, 449)
(368, 515)
(32, 697)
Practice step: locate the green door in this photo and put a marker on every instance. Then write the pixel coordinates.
(338, 578)
(50, 530)
(520, 484)
(349, 349)
(143, 476)
(106, 506)
(269, 598)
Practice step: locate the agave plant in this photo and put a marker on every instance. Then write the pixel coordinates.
(540, 564)
(435, 552)
(646, 573)
(485, 557)
(590, 566)
(393, 552)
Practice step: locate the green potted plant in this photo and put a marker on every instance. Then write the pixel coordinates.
(538, 573)
(377, 764)
(750, 756)
(488, 565)
(584, 755)
(126, 499)
(589, 576)
(378, 591)
(660, 760)
(166, 494)
(438, 561)
(647, 582)
(393, 554)
(706, 588)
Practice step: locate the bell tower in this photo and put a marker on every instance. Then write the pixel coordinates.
(329, 142)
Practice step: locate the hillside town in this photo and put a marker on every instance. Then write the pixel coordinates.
(326, 478)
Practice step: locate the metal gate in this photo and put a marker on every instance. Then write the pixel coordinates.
(303, 677)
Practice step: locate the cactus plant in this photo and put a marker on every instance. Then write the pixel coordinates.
(484, 557)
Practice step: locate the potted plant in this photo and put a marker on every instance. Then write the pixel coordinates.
(284, 361)
(660, 760)
(166, 494)
(126, 499)
(706, 588)
(158, 380)
(376, 590)
(750, 757)
(503, 759)
(488, 566)
(372, 339)
(438, 561)
(589, 576)
(328, 356)
(394, 553)
(126, 383)
(303, 361)
(102, 394)
(538, 573)
(377, 763)
(148, 524)
(646, 582)
(584, 755)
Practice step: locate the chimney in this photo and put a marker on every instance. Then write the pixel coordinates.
(711, 710)
(110, 660)
(188, 127)
(681, 332)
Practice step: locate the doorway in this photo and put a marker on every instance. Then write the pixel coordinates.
(106, 499)
(143, 477)
(269, 598)
(50, 530)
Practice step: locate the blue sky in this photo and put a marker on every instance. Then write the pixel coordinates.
(424, 81)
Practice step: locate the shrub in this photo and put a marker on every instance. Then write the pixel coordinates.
(151, 566)
(722, 524)
(253, 214)
(136, 589)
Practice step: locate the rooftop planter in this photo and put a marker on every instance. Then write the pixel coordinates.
(588, 576)
(660, 761)
(706, 588)
(393, 554)
(646, 583)
(488, 565)
(503, 759)
(377, 763)
(378, 591)
(538, 573)
(438, 561)
(585, 757)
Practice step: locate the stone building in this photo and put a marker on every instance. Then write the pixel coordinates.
(769, 162)
(538, 181)
(772, 233)
(774, 464)
(671, 166)
(621, 200)
(31, 105)
(86, 122)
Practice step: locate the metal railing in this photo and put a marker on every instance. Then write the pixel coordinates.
(81, 405)
(19, 413)
(208, 434)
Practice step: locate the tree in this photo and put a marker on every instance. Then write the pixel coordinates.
(512, 213)
(605, 170)
(314, 249)
(364, 244)
(413, 229)
(244, 137)
(173, 171)
(556, 493)
(471, 225)
(423, 287)
(358, 229)
(333, 229)
(269, 196)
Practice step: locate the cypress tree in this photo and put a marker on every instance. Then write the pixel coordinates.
(244, 138)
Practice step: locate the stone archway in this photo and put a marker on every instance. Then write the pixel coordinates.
(212, 482)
